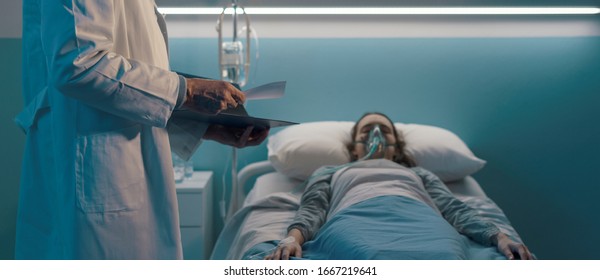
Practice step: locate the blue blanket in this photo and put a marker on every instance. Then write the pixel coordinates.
(387, 227)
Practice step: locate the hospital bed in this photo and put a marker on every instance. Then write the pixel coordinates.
(269, 192)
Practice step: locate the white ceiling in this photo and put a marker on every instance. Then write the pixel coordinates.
(376, 3)
(11, 20)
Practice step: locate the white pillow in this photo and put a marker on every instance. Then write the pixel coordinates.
(297, 151)
(440, 151)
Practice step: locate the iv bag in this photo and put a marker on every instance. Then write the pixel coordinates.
(232, 63)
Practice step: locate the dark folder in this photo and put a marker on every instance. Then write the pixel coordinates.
(236, 117)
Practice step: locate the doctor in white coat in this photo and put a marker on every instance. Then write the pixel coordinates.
(97, 179)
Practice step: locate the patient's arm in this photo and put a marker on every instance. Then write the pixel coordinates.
(466, 220)
(308, 220)
(462, 217)
(313, 210)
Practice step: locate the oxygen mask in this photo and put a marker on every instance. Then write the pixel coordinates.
(376, 142)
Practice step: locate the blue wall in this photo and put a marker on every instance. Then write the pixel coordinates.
(526, 105)
(12, 142)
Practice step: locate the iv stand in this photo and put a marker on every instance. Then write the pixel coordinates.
(233, 201)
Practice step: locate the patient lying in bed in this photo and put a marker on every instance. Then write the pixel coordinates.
(382, 206)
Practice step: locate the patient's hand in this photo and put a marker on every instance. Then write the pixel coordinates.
(511, 249)
(289, 246)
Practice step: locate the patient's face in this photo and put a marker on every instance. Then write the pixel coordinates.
(362, 134)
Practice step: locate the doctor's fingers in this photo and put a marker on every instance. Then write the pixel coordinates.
(211, 97)
(210, 103)
(242, 139)
(231, 99)
(228, 93)
(257, 136)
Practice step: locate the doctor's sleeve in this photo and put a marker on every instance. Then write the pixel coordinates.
(78, 36)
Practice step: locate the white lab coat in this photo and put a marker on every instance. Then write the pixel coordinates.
(97, 179)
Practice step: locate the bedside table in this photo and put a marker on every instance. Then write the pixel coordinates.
(194, 197)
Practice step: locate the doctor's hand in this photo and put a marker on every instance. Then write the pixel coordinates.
(211, 96)
(236, 136)
(511, 249)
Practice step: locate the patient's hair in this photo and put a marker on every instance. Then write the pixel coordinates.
(401, 156)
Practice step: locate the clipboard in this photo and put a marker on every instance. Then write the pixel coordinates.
(232, 117)
(238, 117)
